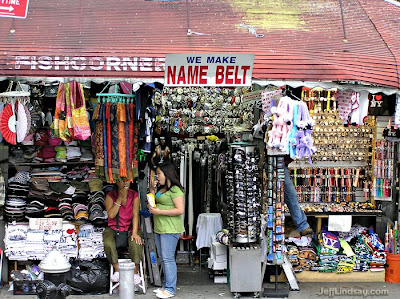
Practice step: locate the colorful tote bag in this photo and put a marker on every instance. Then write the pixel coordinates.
(80, 119)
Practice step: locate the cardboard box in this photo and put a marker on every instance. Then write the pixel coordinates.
(219, 249)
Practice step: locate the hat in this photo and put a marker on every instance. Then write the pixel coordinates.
(28, 140)
(40, 184)
(53, 140)
(41, 137)
(95, 185)
(8, 124)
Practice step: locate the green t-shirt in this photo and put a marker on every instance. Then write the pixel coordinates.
(168, 224)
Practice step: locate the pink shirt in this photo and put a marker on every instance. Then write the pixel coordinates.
(125, 211)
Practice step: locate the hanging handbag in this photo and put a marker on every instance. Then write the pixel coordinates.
(60, 106)
(121, 237)
(80, 119)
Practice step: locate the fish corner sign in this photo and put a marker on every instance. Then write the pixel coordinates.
(14, 8)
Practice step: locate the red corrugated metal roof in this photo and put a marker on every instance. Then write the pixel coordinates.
(303, 39)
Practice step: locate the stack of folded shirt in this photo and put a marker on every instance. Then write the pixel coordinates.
(90, 242)
(14, 241)
(308, 258)
(48, 154)
(78, 173)
(51, 175)
(69, 243)
(61, 154)
(86, 155)
(73, 153)
(328, 259)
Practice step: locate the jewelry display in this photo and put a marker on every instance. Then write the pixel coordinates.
(383, 170)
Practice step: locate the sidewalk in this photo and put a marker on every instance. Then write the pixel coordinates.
(196, 284)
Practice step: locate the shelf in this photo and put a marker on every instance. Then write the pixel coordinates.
(49, 164)
(314, 276)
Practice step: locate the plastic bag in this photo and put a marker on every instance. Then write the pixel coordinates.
(89, 277)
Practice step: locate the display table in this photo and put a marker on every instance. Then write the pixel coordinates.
(208, 224)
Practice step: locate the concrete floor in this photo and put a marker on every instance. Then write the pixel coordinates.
(195, 284)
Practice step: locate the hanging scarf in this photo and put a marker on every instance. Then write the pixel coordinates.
(99, 142)
(114, 144)
(128, 143)
(108, 139)
(121, 120)
(134, 145)
(68, 89)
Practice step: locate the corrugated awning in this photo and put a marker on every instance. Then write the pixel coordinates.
(303, 40)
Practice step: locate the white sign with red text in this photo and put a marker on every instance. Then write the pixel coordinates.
(208, 69)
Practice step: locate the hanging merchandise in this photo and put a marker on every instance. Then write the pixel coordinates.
(274, 209)
(80, 120)
(383, 170)
(8, 124)
(116, 141)
(192, 110)
(291, 131)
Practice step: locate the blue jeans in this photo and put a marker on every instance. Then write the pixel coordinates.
(292, 201)
(166, 247)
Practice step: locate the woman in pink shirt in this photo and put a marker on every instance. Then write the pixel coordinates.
(123, 204)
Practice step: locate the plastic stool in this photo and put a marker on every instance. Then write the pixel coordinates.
(189, 240)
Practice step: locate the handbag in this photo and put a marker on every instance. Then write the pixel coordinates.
(121, 237)
(80, 120)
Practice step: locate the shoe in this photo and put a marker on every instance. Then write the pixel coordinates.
(158, 290)
(307, 232)
(164, 294)
(115, 277)
(137, 280)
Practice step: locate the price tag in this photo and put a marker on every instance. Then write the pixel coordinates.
(45, 223)
(339, 223)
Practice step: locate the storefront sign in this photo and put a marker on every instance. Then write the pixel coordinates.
(208, 69)
(81, 63)
(45, 223)
(14, 8)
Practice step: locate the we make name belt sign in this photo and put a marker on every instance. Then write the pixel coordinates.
(208, 69)
(14, 8)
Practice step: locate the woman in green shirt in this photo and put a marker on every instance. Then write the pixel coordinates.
(168, 223)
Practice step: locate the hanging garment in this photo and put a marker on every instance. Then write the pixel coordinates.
(115, 161)
(128, 149)
(68, 108)
(343, 99)
(60, 107)
(190, 192)
(121, 120)
(134, 128)
(99, 142)
(362, 111)
(108, 141)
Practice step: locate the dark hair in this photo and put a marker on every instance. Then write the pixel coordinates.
(170, 174)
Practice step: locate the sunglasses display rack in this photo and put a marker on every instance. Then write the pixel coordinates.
(383, 170)
(243, 194)
(274, 212)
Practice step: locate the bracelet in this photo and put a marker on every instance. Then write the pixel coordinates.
(117, 204)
